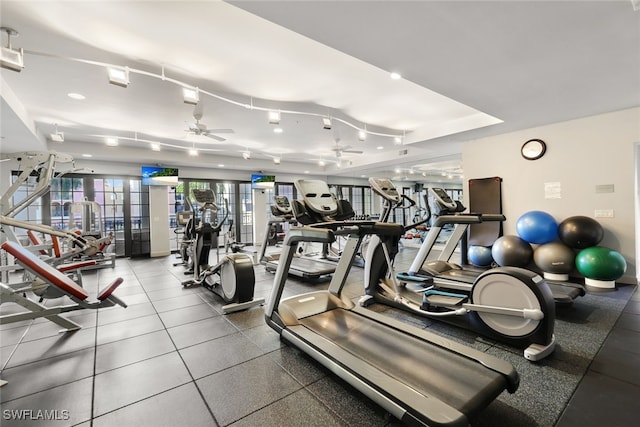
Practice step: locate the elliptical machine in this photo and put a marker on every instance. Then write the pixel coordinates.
(232, 278)
(508, 304)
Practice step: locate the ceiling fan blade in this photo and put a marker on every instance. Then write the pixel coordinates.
(216, 137)
(221, 131)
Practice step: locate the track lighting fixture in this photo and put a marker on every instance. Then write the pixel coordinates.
(276, 160)
(155, 146)
(191, 95)
(119, 76)
(193, 152)
(246, 155)
(56, 136)
(112, 141)
(274, 117)
(9, 58)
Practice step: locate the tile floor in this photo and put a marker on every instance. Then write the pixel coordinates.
(171, 358)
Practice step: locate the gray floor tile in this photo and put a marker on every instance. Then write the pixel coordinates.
(34, 351)
(186, 315)
(602, 401)
(297, 409)
(46, 374)
(131, 350)
(12, 336)
(181, 406)
(354, 408)
(67, 405)
(123, 386)
(218, 354)
(178, 302)
(238, 391)
(201, 331)
(127, 329)
(118, 314)
(297, 364)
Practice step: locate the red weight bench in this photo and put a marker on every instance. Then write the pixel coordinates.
(62, 283)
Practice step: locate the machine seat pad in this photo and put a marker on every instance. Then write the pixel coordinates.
(108, 290)
(44, 270)
(76, 265)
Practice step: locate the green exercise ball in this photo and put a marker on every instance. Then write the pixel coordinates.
(600, 263)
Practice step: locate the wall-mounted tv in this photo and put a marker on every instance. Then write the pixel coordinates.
(157, 175)
(262, 182)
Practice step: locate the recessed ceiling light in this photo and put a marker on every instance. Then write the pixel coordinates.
(306, 171)
(220, 165)
(277, 130)
(77, 96)
(395, 76)
(155, 146)
(112, 141)
(193, 152)
(87, 155)
(380, 147)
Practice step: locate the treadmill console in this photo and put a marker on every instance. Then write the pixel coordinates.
(317, 196)
(442, 204)
(385, 188)
(282, 207)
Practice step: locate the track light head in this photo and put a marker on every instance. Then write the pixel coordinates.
(246, 155)
(11, 59)
(362, 135)
(190, 95)
(276, 160)
(274, 117)
(326, 123)
(119, 76)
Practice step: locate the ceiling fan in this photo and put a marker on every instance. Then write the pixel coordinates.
(339, 149)
(198, 128)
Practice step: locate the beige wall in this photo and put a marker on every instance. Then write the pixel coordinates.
(581, 155)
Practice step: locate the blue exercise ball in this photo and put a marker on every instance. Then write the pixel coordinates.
(479, 255)
(511, 251)
(537, 227)
(580, 232)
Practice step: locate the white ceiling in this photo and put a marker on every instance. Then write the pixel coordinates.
(470, 69)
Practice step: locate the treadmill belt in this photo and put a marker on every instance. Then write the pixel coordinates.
(307, 267)
(432, 370)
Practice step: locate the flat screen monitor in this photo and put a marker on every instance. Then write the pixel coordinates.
(262, 182)
(157, 175)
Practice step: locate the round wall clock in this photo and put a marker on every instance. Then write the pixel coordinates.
(533, 149)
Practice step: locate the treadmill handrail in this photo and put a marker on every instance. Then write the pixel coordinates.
(469, 218)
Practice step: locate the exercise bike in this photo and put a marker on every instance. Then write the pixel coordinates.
(232, 278)
(508, 304)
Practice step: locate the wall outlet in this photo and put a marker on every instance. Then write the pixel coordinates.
(603, 213)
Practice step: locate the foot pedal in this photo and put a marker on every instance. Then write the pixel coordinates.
(438, 298)
(418, 279)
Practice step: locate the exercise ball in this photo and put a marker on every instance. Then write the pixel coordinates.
(511, 251)
(479, 255)
(580, 232)
(555, 259)
(600, 266)
(537, 227)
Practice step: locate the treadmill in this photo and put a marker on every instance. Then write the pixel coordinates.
(304, 268)
(417, 376)
(449, 275)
